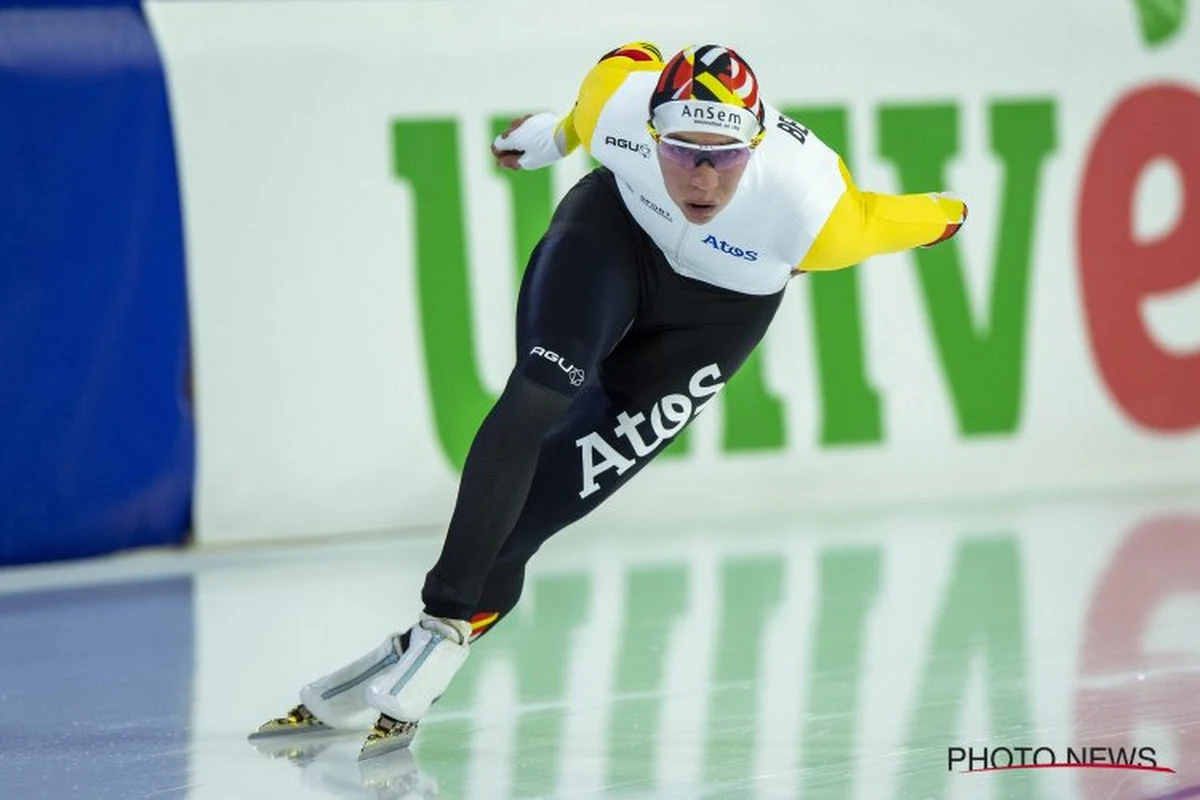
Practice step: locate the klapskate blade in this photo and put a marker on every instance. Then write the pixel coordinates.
(373, 748)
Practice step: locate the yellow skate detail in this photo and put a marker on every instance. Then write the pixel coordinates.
(298, 720)
(387, 736)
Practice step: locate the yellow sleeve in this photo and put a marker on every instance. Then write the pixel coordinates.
(865, 224)
(599, 85)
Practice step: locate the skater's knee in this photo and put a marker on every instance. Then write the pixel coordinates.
(529, 406)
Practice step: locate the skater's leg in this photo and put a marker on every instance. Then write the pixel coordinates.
(496, 477)
(579, 295)
(658, 380)
(499, 467)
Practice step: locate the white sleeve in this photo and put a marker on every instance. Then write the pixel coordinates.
(539, 138)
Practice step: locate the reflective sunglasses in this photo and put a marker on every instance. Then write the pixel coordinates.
(689, 156)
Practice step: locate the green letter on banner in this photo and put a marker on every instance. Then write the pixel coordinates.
(850, 405)
(983, 362)
(753, 418)
(532, 196)
(425, 154)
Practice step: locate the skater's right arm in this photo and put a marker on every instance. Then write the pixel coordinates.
(538, 140)
(863, 224)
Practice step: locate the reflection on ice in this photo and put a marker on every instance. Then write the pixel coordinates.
(831, 658)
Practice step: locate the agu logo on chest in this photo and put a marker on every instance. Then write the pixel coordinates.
(729, 249)
(641, 148)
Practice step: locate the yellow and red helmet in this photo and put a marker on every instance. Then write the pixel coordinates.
(708, 89)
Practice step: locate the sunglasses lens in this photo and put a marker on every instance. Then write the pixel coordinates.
(684, 157)
(727, 159)
(691, 157)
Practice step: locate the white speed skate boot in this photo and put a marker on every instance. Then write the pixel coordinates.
(337, 702)
(434, 650)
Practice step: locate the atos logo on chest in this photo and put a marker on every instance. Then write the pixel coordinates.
(730, 250)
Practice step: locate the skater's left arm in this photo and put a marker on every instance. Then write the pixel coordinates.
(537, 140)
(864, 224)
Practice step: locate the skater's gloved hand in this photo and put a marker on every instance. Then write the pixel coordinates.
(956, 215)
(531, 141)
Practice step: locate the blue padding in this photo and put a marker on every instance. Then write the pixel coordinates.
(96, 437)
(96, 691)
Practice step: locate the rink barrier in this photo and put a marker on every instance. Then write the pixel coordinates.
(96, 434)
